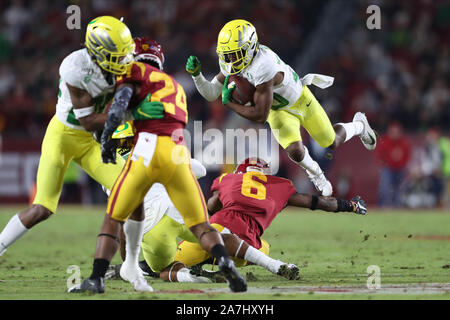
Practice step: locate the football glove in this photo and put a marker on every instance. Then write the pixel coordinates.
(227, 91)
(148, 110)
(359, 205)
(108, 148)
(193, 66)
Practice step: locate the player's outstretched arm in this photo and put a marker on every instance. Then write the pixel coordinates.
(115, 117)
(329, 204)
(263, 99)
(84, 110)
(214, 203)
(210, 90)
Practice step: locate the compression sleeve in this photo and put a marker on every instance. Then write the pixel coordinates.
(209, 90)
(116, 113)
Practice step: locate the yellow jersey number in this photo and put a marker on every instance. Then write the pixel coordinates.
(167, 90)
(250, 184)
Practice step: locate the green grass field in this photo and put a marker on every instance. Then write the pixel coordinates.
(333, 252)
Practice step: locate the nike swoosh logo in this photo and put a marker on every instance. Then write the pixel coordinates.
(372, 140)
(309, 103)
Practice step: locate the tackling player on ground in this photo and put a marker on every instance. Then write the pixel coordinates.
(159, 155)
(246, 202)
(86, 86)
(281, 98)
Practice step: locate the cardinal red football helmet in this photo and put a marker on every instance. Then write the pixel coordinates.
(148, 50)
(253, 164)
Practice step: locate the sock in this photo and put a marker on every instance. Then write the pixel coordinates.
(133, 232)
(219, 251)
(12, 231)
(309, 164)
(352, 129)
(99, 268)
(257, 257)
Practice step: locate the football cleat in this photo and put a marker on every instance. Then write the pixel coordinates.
(235, 281)
(321, 183)
(89, 285)
(214, 276)
(359, 205)
(368, 136)
(113, 272)
(288, 271)
(135, 276)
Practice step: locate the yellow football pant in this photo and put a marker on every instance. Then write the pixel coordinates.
(177, 177)
(62, 144)
(159, 245)
(191, 253)
(306, 112)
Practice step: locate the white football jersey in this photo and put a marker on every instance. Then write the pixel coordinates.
(78, 70)
(157, 203)
(265, 65)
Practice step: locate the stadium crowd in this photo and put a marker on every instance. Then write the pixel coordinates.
(400, 73)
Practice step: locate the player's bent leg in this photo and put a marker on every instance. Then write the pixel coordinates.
(285, 127)
(107, 245)
(298, 151)
(315, 120)
(105, 174)
(159, 245)
(52, 166)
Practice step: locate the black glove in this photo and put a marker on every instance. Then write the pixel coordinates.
(109, 147)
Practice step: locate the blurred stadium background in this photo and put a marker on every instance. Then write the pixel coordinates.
(398, 75)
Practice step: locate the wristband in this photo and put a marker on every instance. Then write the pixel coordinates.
(83, 112)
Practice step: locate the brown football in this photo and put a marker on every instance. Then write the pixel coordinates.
(244, 90)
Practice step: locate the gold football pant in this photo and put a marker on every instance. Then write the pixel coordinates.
(191, 253)
(62, 144)
(170, 166)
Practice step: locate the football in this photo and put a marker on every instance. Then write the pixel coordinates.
(243, 93)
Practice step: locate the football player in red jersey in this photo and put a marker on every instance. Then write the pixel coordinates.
(246, 202)
(159, 155)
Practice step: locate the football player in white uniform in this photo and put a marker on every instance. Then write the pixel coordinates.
(87, 83)
(282, 98)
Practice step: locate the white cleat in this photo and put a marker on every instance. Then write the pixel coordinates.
(321, 183)
(368, 136)
(134, 275)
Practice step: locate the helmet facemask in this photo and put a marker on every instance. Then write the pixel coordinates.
(236, 46)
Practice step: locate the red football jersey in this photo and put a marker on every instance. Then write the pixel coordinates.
(260, 196)
(162, 87)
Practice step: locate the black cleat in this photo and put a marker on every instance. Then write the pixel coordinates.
(147, 270)
(113, 271)
(90, 285)
(235, 281)
(214, 276)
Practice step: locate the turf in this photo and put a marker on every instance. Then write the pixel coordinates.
(332, 250)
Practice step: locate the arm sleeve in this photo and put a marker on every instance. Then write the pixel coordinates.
(116, 113)
(209, 90)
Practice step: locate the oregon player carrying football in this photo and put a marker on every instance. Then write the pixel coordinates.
(282, 98)
(86, 86)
